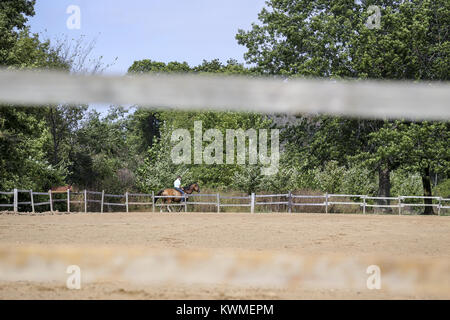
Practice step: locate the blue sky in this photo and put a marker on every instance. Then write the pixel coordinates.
(162, 30)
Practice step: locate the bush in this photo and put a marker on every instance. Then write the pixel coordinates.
(330, 178)
(359, 180)
(406, 184)
(443, 189)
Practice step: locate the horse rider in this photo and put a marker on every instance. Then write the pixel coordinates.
(177, 185)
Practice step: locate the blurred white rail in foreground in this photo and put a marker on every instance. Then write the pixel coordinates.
(150, 267)
(368, 99)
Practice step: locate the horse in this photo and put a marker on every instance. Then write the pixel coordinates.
(177, 197)
(61, 189)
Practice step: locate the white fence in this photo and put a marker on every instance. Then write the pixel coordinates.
(219, 201)
(372, 99)
(283, 269)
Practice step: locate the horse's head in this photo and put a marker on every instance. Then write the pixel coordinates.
(196, 187)
(191, 188)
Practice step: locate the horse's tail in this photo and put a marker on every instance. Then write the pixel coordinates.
(158, 194)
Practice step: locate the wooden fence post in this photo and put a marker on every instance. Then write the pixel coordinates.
(326, 202)
(399, 205)
(50, 200)
(218, 203)
(32, 201)
(252, 203)
(290, 202)
(103, 201)
(85, 201)
(126, 201)
(68, 200)
(153, 201)
(16, 200)
(185, 202)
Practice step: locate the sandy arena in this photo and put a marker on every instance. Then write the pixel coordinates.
(414, 237)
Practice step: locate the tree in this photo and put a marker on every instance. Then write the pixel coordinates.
(383, 155)
(144, 127)
(101, 156)
(23, 133)
(212, 175)
(309, 38)
(13, 16)
(426, 147)
(147, 65)
(158, 171)
(63, 120)
(330, 39)
(40, 146)
(77, 55)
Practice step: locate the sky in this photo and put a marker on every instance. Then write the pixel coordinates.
(161, 30)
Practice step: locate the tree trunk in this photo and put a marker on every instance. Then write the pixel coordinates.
(384, 189)
(426, 182)
(53, 132)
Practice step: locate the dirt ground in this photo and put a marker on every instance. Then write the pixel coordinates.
(317, 234)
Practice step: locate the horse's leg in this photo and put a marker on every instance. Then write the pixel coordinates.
(166, 205)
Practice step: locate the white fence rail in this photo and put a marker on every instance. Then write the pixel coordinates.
(218, 202)
(372, 99)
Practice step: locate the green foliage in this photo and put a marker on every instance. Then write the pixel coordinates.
(443, 189)
(13, 16)
(147, 65)
(424, 146)
(158, 171)
(358, 179)
(22, 159)
(248, 179)
(330, 39)
(208, 67)
(100, 156)
(405, 183)
(286, 179)
(24, 135)
(143, 126)
(412, 42)
(330, 178)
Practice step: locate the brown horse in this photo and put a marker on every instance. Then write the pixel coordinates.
(177, 197)
(61, 189)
